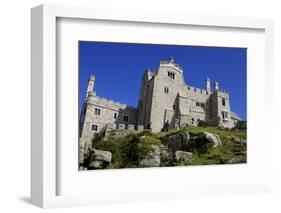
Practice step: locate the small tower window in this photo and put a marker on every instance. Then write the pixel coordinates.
(171, 75)
(166, 90)
(224, 115)
(97, 111)
(94, 128)
(126, 118)
(115, 115)
(223, 101)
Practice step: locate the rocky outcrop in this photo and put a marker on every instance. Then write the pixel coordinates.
(100, 159)
(213, 138)
(178, 141)
(183, 157)
(173, 148)
(183, 141)
(235, 160)
(153, 158)
(238, 140)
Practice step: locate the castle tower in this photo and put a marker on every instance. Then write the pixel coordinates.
(208, 85)
(91, 84)
(216, 86)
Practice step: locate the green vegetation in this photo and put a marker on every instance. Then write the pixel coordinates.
(129, 150)
(221, 154)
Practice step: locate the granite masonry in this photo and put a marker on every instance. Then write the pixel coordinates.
(165, 101)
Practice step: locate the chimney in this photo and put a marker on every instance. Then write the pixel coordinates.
(216, 86)
(208, 85)
(172, 60)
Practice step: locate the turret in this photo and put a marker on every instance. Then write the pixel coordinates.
(91, 84)
(172, 60)
(208, 85)
(216, 86)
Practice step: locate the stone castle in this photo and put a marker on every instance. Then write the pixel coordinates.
(165, 101)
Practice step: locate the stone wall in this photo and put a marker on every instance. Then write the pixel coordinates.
(164, 103)
(108, 112)
(219, 108)
(145, 99)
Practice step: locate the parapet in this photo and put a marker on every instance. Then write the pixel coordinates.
(93, 98)
(171, 62)
(198, 90)
(123, 126)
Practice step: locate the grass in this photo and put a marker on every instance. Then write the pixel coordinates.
(221, 154)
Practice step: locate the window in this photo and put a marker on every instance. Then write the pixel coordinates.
(126, 118)
(224, 115)
(115, 115)
(95, 128)
(174, 107)
(171, 75)
(166, 90)
(97, 111)
(223, 101)
(198, 104)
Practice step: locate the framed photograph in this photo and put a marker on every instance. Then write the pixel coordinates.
(129, 106)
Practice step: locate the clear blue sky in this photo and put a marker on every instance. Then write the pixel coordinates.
(118, 68)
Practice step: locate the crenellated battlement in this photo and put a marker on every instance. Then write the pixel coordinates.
(97, 99)
(172, 63)
(197, 90)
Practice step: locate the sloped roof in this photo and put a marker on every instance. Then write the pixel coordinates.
(235, 116)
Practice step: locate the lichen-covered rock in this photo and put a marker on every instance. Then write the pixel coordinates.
(166, 156)
(96, 164)
(99, 159)
(213, 138)
(102, 155)
(182, 156)
(235, 160)
(153, 158)
(164, 152)
(178, 141)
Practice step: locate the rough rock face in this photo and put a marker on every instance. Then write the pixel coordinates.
(100, 159)
(96, 164)
(234, 160)
(103, 155)
(178, 141)
(153, 158)
(215, 139)
(237, 140)
(183, 156)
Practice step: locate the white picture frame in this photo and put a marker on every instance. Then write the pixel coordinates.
(44, 148)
